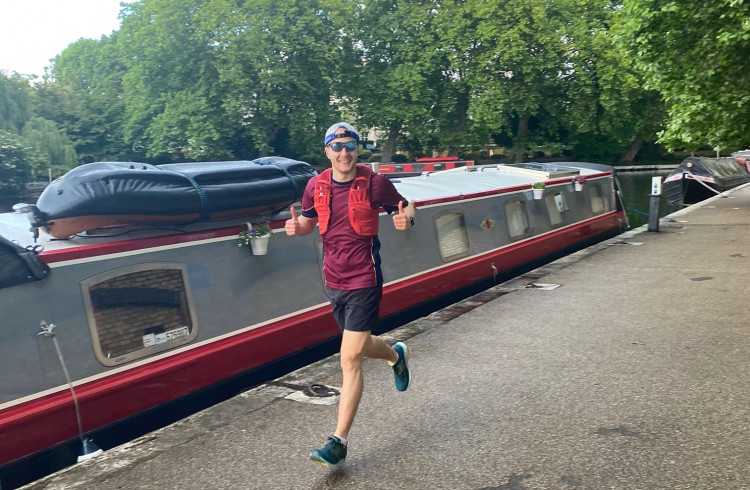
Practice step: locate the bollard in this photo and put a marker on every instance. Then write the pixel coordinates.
(653, 204)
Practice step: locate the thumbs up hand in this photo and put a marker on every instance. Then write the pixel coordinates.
(292, 224)
(401, 221)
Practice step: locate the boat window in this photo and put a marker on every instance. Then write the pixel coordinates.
(518, 222)
(597, 199)
(453, 239)
(138, 311)
(556, 206)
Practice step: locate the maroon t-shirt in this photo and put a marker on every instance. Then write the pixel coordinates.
(351, 261)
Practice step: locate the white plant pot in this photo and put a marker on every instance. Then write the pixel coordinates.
(538, 193)
(578, 186)
(259, 245)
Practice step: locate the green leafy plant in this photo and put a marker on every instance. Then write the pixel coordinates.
(538, 185)
(254, 230)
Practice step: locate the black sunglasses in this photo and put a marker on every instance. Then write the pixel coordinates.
(338, 146)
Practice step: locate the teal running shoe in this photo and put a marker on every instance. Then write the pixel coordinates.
(331, 455)
(401, 368)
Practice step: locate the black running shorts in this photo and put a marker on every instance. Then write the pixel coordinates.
(356, 310)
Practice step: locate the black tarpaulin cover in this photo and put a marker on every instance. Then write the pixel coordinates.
(198, 191)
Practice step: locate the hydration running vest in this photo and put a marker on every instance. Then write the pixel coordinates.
(362, 217)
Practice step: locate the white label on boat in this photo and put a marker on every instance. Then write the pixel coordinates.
(159, 338)
(177, 333)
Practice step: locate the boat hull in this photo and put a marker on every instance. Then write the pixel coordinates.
(237, 323)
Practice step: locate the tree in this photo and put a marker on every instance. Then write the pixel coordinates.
(398, 70)
(14, 158)
(52, 146)
(84, 97)
(172, 93)
(14, 102)
(695, 56)
(276, 62)
(610, 113)
(515, 55)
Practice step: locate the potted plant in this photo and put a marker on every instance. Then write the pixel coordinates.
(538, 189)
(578, 184)
(256, 235)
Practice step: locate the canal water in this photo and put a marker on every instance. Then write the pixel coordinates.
(636, 193)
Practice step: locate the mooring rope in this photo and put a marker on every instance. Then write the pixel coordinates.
(702, 183)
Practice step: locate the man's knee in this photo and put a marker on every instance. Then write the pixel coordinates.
(352, 356)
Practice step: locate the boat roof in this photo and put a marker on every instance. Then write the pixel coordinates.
(483, 178)
(428, 187)
(723, 167)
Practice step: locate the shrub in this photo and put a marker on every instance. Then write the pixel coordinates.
(364, 155)
(315, 160)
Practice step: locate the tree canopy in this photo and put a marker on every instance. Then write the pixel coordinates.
(695, 55)
(230, 79)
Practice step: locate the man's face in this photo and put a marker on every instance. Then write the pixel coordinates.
(345, 159)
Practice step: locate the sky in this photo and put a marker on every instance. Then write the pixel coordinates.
(34, 31)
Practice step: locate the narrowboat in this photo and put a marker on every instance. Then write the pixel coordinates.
(742, 157)
(426, 164)
(698, 178)
(110, 323)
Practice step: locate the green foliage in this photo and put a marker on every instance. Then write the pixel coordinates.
(275, 63)
(15, 94)
(608, 104)
(52, 145)
(695, 56)
(316, 159)
(173, 107)
(85, 98)
(364, 155)
(255, 230)
(517, 56)
(396, 51)
(593, 147)
(231, 79)
(14, 155)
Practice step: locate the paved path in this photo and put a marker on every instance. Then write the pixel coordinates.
(632, 374)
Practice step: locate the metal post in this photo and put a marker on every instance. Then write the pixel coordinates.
(653, 204)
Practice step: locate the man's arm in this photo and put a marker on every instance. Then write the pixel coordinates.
(299, 225)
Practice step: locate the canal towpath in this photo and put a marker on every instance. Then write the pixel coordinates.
(622, 366)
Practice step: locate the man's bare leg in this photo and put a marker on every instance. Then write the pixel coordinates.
(355, 346)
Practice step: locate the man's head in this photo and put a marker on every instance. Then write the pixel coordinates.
(342, 149)
(339, 131)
